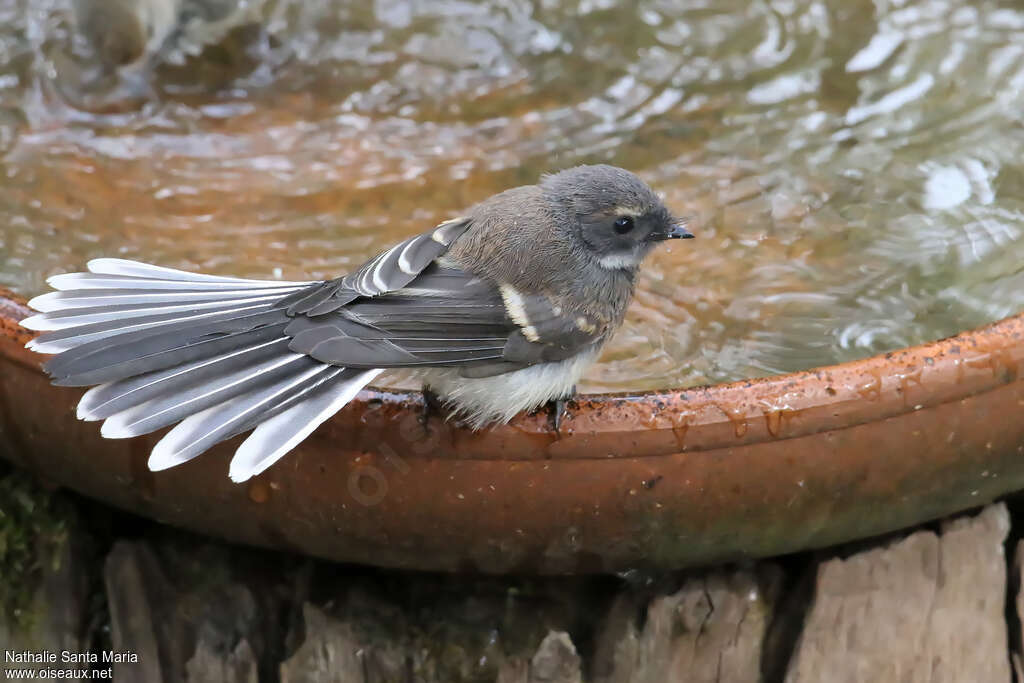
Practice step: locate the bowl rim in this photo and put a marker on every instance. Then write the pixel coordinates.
(708, 417)
(901, 438)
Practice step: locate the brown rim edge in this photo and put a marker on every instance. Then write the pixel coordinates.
(662, 479)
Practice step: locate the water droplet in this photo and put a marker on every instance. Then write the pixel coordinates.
(872, 389)
(259, 491)
(738, 417)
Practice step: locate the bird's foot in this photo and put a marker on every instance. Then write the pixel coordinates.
(432, 405)
(557, 410)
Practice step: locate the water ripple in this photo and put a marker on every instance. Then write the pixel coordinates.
(854, 170)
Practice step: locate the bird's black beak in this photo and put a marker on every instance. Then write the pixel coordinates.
(676, 231)
(679, 232)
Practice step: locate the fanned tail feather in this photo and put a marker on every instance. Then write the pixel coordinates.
(108, 399)
(207, 352)
(167, 409)
(280, 433)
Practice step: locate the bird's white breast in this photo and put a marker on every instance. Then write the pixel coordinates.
(483, 400)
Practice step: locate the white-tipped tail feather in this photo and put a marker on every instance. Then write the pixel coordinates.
(154, 331)
(196, 433)
(162, 411)
(87, 298)
(117, 266)
(107, 400)
(73, 336)
(281, 433)
(59, 320)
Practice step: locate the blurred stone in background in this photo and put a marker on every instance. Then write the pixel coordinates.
(130, 39)
(126, 32)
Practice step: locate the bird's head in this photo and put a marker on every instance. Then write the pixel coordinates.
(614, 215)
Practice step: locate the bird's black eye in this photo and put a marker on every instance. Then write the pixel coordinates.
(623, 224)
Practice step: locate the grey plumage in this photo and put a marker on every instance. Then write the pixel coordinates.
(499, 311)
(389, 271)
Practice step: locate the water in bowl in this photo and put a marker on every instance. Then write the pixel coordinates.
(854, 170)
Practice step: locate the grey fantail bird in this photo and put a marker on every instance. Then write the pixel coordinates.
(498, 311)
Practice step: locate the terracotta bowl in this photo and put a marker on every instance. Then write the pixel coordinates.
(650, 480)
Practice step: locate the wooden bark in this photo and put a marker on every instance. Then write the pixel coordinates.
(211, 664)
(711, 630)
(55, 619)
(178, 611)
(330, 652)
(1017, 646)
(556, 660)
(132, 578)
(925, 609)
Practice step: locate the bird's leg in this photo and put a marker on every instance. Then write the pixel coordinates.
(432, 405)
(557, 410)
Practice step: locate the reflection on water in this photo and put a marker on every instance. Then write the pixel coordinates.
(855, 170)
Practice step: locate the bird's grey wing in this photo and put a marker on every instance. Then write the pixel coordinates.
(210, 353)
(388, 271)
(220, 356)
(445, 317)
